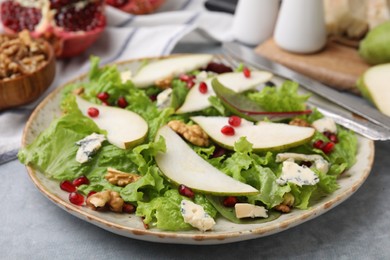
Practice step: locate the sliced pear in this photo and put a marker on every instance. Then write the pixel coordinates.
(125, 129)
(374, 85)
(182, 165)
(235, 81)
(169, 67)
(264, 136)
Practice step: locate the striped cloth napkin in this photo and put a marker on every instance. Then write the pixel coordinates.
(127, 36)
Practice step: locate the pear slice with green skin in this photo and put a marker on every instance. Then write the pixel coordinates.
(234, 81)
(264, 136)
(125, 129)
(246, 108)
(374, 85)
(181, 165)
(169, 67)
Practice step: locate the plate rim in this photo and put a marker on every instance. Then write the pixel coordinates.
(172, 237)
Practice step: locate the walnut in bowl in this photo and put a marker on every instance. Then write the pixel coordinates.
(27, 68)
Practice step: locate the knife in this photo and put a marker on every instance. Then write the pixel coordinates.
(354, 104)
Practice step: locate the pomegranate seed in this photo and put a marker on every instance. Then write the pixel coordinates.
(247, 72)
(318, 144)
(103, 96)
(80, 181)
(93, 112)
(218, 152)
(76, 198)
(203, 87)
(91, 193)
(105, 103)
(230, 201)
(185, 191)
(153, 97)
(128, 208)
(331, 136)
(227, 130)
(122, 102)
(328, 147)
(184, 77)
(235, 121)
(67, 186)
(190, 84)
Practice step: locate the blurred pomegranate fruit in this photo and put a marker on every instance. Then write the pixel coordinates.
(70, 25)
(136, 6)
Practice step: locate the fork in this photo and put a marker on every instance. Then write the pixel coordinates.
(338, 114)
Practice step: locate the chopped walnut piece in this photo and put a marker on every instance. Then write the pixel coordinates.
(286, 205)
(164, 83)
(299, 122)
(282, 208)
(105, 200)
(192, 133)
(120, 178)
(78, 91)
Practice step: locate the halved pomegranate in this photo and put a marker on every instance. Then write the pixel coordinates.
(70, 25)
(136, 6)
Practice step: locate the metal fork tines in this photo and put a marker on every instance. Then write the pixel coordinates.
(340, 115)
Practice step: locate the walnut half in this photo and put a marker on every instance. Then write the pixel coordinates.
(120, 178)
(105, 200)
(192, 133)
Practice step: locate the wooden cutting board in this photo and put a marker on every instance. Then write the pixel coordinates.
(337, 65)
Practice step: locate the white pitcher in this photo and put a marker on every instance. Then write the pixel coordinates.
(300, 26)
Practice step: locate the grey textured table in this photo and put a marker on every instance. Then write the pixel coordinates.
(32, 227)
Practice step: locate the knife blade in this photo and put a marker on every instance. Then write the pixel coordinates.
(354, 104)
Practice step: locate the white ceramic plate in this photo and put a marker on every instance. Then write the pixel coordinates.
(224, 231)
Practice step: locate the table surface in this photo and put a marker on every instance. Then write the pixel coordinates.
(35, 228)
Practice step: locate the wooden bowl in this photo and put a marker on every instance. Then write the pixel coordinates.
(28, 87)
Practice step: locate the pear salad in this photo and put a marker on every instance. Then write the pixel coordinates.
(186, 140)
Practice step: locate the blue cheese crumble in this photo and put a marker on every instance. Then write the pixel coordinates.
(195, 215)
(299, 175)
(88, 147)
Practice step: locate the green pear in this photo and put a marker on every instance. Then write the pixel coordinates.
(182, 165)
(374, 85)
(375, 47)
(235, 81)
(169, 67)
(125, 129)
(264, 136)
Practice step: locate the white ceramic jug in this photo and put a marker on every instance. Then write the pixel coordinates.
(300, 26)
(254, 20)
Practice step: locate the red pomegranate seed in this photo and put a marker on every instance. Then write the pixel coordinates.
(80, 181)
(105, 103)
(122, 102)
(93, 112)
(190, 83)
(218, 68)
(67, 186)
(318, 144)
(218, 152)
(184, 77)
(76, 198)
(235, 121)
(185, 191)
(247, 72)
(153, 97)
(91, 193)
(230, 201)
(203, 87)
(128, 208)
(328, 147)
(333, 138)
(103, 96)
(227, 130)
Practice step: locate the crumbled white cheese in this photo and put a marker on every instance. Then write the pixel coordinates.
(325, 124)
(319, 162)
(201, 76)
(195, 215)
(299, 175)
(126, 75)
(88, 146)
(164, 98)
(246, 210)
